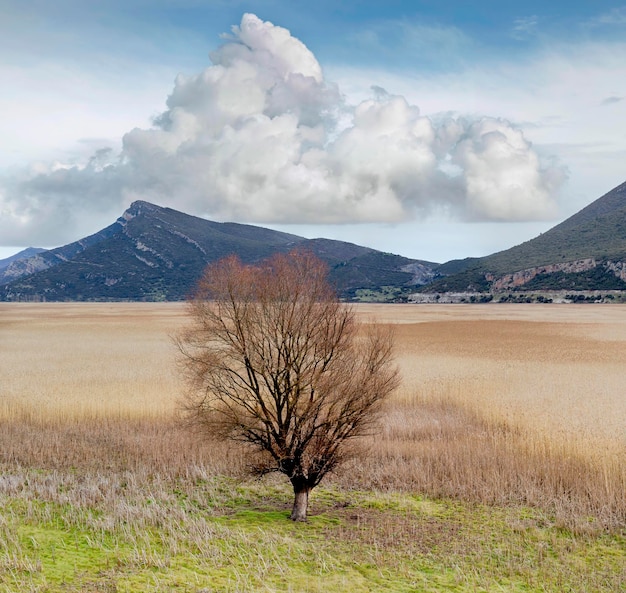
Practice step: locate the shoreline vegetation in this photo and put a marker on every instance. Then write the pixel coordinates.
(500, 463)
(521, 297)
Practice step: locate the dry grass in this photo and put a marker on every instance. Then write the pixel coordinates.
(500, 404)
(65, 362)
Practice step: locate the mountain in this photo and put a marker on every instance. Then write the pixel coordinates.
(44, 259)
(585, 252)
(24, 254)
(155, 253)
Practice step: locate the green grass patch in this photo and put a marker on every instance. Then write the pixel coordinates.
(222, 535)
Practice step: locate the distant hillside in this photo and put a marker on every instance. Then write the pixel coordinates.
(27, 266)
(155, 253)
(585, 252)
(24, 254)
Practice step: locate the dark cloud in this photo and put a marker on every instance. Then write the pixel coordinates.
(612, 100)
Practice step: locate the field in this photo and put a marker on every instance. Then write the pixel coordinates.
(500, 464)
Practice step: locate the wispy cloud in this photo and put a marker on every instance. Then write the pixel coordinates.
(400, 42)
(525, 27)
(615, 17)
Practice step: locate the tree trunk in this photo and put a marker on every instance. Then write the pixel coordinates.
(300, 501)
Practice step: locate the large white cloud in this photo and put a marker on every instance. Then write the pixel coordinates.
(503, 177)
(261, 136)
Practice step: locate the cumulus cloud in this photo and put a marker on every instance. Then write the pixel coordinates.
(261, 136)
(502, 177)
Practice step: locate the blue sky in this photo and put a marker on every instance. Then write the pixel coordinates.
(432, 129)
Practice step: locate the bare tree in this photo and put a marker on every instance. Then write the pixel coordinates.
(274, 360)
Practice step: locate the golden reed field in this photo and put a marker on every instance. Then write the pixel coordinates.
(521, 404)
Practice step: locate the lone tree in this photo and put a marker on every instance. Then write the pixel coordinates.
(274, 360)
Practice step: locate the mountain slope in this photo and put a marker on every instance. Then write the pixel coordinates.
(597, 231)
(24, 254)
(586, 251)
(50, 258)
(155, 253)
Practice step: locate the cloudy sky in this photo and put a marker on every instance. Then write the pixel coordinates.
(433, 129)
